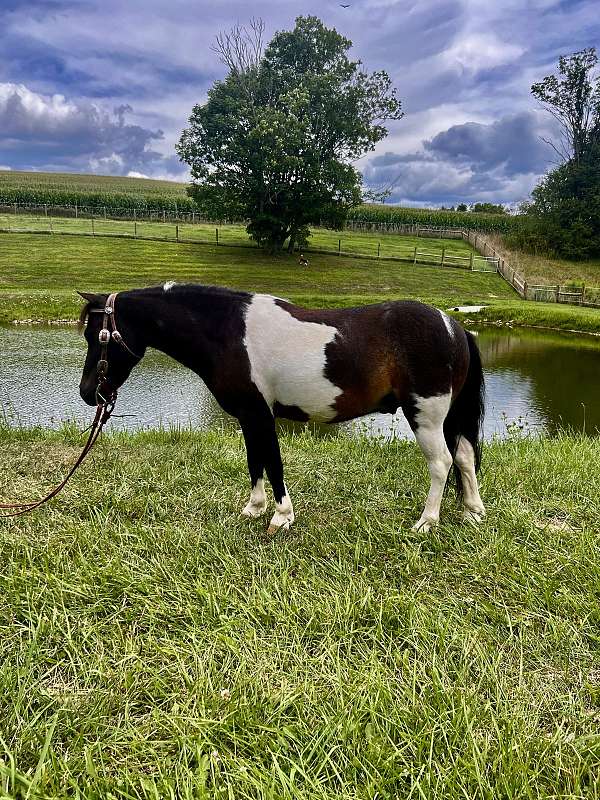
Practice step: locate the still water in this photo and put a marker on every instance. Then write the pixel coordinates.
(538, 381)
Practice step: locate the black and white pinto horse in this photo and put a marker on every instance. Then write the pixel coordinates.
(263, 358)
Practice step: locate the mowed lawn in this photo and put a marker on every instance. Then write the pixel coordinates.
(353, 242)
(39, 274)
(156, 645)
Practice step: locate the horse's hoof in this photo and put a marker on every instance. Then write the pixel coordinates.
(280, 522)
(423, 525)
(253, 511)
(473, 516)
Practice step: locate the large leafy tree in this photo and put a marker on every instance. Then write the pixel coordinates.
(573, 98)
(564, 215)
(276, 140)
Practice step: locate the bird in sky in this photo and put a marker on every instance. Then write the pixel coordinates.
(344, 6)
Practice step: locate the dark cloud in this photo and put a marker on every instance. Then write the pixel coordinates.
(472, 162)
(515, 143)
(38, 131)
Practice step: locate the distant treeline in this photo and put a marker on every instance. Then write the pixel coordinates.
(102, 192)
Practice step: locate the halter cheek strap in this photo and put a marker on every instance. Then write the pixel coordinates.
(104, 337)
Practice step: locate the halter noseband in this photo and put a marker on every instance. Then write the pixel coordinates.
(104, 338)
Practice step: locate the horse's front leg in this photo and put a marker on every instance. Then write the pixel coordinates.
(262, 447)
(257, 504)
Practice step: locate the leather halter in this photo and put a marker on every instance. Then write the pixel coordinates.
(104, 337)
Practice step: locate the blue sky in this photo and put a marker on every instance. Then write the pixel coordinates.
(107, 87)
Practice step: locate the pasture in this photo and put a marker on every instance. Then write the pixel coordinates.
(39, 275)
(157, 645)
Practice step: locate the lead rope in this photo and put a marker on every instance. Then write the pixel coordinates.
(104, 409)
(103, 413)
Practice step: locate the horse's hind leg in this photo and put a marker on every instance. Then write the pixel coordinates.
(464, 459)
(426, 417)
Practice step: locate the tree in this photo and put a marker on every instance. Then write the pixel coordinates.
(574, 102)
(488, 208)
(276, 140)
(564, 215)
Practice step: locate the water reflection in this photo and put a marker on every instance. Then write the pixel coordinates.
(543, 381)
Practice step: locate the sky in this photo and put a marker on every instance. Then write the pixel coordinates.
(107, 86)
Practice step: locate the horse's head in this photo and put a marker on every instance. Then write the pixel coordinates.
(118, 355)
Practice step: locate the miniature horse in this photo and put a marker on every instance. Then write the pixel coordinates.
(263, 358)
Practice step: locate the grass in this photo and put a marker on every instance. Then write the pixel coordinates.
(39, 275)
(157, 645)
(348, 242)
(548, 270)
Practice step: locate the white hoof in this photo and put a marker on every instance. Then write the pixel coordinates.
(424, 525)
(254, 509)
(280, 522)
(474, 516)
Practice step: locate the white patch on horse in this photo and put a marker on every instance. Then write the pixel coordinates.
(447, 323)
(429, 433)
(168, 285)
(287, 358)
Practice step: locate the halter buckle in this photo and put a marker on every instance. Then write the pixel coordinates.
(104, 336)
(102, 367)
(117, 337)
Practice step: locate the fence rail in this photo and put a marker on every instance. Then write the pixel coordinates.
(579, 296)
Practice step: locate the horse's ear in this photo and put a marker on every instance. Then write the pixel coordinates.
(90, 297)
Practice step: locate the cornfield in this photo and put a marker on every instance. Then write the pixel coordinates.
(381, 215)
(144, 194)
(93, 191)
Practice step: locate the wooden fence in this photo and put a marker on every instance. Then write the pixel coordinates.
(545, 293)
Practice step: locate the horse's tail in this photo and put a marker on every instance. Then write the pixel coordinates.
(465, 417)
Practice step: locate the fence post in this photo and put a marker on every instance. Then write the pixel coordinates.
(471, 263)
(164, 216)
(415, 258)
(177, 232)
(378, 249)
(193, 217)
(582, 294)
(93, 230)
(46, 209)
(443, 256)
(217, 236)
(76, 212)
(339, 247)
(557, 292)
(525, 290)
(135, 229)
(104, 212)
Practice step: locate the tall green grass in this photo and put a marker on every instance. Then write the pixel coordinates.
(156, 645)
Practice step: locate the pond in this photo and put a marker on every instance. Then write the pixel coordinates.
(539, 382)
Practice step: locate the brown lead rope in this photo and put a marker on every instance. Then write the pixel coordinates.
(104, 409)
(103, 413)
